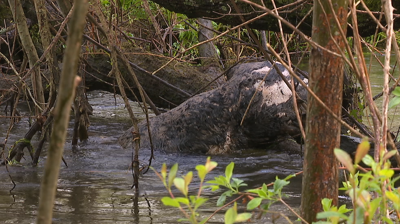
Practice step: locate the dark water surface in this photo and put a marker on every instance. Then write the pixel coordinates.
(96, 185)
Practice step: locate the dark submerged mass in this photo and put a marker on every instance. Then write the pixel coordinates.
(210, 122)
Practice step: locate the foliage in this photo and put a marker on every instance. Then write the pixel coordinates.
(396, 100)
(261, 198)
(372, 192)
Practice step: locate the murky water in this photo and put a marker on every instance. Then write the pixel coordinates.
(96, 185)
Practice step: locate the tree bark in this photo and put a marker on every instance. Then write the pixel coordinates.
(221, 11)
(254, 109)
(61, 112)
(30, 50)
(206, 51)
(46, 38)
(320, 177)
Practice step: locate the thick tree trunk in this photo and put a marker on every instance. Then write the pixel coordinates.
(206, 51)
(221, 11)
(226, 119)
(168, 88)
(320, 177)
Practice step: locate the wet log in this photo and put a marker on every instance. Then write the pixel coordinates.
(291, 10)
(168, 88)
(211, 122)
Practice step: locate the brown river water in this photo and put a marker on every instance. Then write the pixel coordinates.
(96, 185)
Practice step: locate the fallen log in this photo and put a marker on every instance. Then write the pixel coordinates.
(211, 122)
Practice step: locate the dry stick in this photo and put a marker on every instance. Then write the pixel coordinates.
(289, 85)
(116, 72)
(135, 162)
(10, 127)
(388, 9)
(142, 95)
(265, 54)
(21, 80)
(68, 82)
(295, 75)
(54, 41)
(216, 78)
(292, 87)
(206, 41)
(289, 25)
(180, 91)
(351, 63)
(365, 81)
(155, 24)
(30, 52)
(372, 16)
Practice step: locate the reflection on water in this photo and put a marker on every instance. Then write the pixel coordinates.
(96, 185)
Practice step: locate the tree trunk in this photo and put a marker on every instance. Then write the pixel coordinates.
(320, 177)
(29, 49)
(245, 112)
(46, 38)
(220, 11)
(207, 50)
(61, 112)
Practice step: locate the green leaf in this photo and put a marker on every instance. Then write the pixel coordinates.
(265, 187)
(204, 220)
(164, 171)
(230, 215)
(243, 217)
(326, 204)
(201, 172)
(396, 91)
(180, 184)
(387, 173)
(290, 176)
(342, 209)
(229, 171)
(389, 154)
(213, 187)
(236, 183)
(221, 180)
(362, 150)
(279, 184)
(172, 174)
(221, 200)
(394, 102)
(188, 178)
(210, 165)
(368, 160)
(331, 214)
(345, 159)
(170, 202)
(182, 200)
(393, 197)
(199, 201)
(387, 220)
(263, 194)
(254, 203)
(373, 206)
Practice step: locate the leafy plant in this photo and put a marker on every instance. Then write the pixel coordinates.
(189, 205)
(372, 192)
(395, 100)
